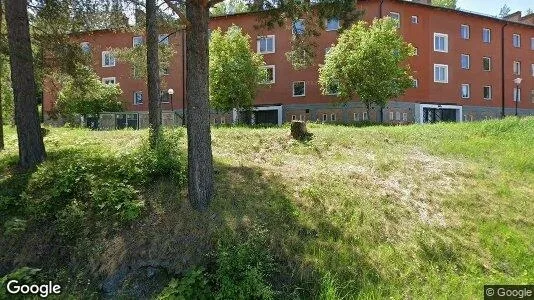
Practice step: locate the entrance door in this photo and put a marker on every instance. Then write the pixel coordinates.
(434, 115)
(266, 117)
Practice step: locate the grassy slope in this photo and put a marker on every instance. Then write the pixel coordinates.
(423, 211)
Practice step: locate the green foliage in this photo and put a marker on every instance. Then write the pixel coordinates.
(243, 266)
(85, 94)
(136, 57)
(446, 3)
(505, 11)
(229, 7)
(235, 71)
(24, 275)
(368, 62)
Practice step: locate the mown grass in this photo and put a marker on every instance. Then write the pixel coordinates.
(432, 211)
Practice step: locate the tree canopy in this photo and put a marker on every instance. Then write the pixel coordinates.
(446, 3)
(234, 70)
(368, 62)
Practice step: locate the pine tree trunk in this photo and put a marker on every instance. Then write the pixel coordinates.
(200, 160)
(153, 81)
(2, 146)
(30, 139)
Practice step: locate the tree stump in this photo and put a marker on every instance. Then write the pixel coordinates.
(299, 131)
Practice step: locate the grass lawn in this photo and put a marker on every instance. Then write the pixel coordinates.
(432, 211)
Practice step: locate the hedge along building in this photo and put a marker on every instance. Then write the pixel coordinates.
(464, 69)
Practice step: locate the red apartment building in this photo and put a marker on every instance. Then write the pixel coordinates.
(464, 70)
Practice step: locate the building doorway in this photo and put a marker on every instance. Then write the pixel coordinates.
(434, 113)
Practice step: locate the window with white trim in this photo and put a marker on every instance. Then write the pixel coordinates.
(464, 31)
(517, 68)
(138, 97)
(516, 40)
(333, 117)
(365, 116)
(517, 94)
(397, 116)
(271, 74)
(298, 27)
(391, 116)
(108, 60)
(332, 24)
(293, 117)
(466, 91)
(356, 116)
(109, 80)
(415, 83)
(396, 16)
(325, 117)
(532, 69)
(299, 88)
(532, 96)
(415, 19)
(486, 63)
(416, 51)
(266, 44)
(465, 61)
(532, 43)
(405, 117)
(441, 42)
(137, 41)
(86, 47)
(487, 92)
(486, 35)
(441, 73)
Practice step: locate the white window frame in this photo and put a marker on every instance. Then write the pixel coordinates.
(416, 51)
(397, 116)
(515, 94)
(405, 117)
(446, 42)
(462, 31)
(325, 117)
(356, 116)
(532, 43)
(258, 44)
(104, 79)
(135, 38)
(468, 61)
(273, 67)
(415, 83)
(488, 30)
(516, 70)
(518, 40)
(293, 88)
(333, 117)
(415, 20)
(398, 17)
(391, 116)
(489, 59)
(293, 27)
(104, 53)
(490, 92)
(82, 44)
(446, 73)
(135, 93)
(365, 116)
(293, 117)
(332, 29)
(532, 69)
(468, 90)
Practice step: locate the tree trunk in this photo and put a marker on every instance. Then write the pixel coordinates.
(2, 146)
(30, 139)
(153, 81)
(200, 160)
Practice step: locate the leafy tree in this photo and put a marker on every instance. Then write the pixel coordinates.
(368, 62)
(446, 3)
(1, 77)
(505, 11)
(85, 94)
(195, 19)
(228, 7)
(235, 71)
(529, 11)
(137, 58)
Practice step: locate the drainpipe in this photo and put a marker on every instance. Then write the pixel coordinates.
(503, 114)
(380, 11)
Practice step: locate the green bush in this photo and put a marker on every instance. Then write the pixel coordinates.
(194, 285)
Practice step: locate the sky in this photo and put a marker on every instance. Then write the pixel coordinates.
(493, 7)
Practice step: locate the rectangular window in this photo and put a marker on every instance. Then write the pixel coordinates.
(405, 117)
(464, 31)
(487, 92)
(332, 24)
(532, 69)
(86, 47)
(395, 16)
(138, 97)
(293, 117)
(415, 20)
(466, 91)
(531, 43)
(517, 94)
(271, 74)
(441, 73)
(517, 68)
(298, 27)
(465, 61)
(397, 116)
(163, 39)
(164, 97)
(486, 63)
(415, 83)
(365, 117)
(299, 88)
(325, 117)
(416, 51)
(109, 80)
(516, 40)
(137, 41)
(391, 116)
(441, 42)
(532, 96)
(486, 35)
(333, 117)
(266, 44)
(356, 116)
(223, 120)
(108, 60)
